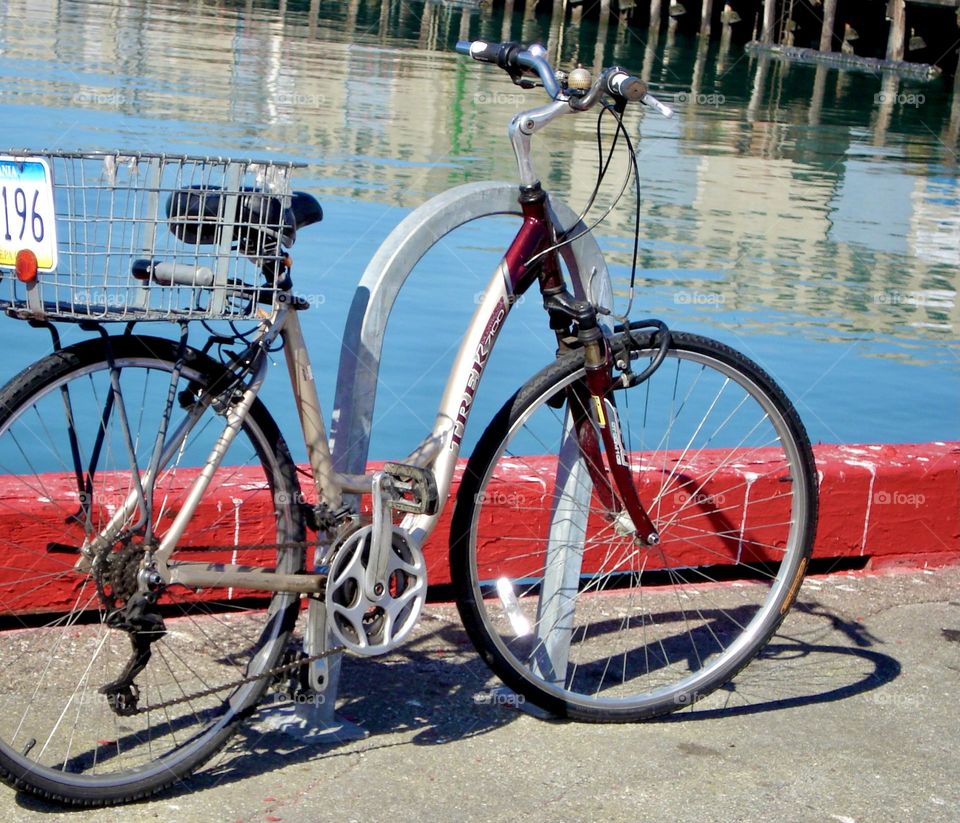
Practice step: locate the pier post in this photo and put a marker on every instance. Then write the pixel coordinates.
(650, 54)
(557, 25)
(829, 21)
(465, 16)
(816, 99)
(507, 21)
(759, 84)
(769, 19)
(898, 29)
(600, 50)
(655, 14)
(885, 103)
(953, 127)
(707, 12)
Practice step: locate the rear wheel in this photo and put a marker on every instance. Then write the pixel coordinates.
(61, 483)
(563, 601)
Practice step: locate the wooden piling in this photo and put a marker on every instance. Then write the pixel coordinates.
(816, 99)
(655, 14)
(829, 21)
(953, 127)
(505, 31)
(898, 29)
(706, 13)
(600, 49)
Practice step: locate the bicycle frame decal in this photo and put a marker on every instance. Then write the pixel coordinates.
(489, 337)
(614, 419)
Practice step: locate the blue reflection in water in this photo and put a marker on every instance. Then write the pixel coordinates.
(787, 213)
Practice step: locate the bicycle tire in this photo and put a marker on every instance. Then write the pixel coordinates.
(496, 536)
(110, 759)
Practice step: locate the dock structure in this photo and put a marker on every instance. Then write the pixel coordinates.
(925, 32)
(901, 31)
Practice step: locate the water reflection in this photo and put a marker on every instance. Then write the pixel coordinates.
(800, 198)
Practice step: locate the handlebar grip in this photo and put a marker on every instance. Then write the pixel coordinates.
(626, 86)
(500, 54)
(172, 274)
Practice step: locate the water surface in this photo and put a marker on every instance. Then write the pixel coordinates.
(806, 216)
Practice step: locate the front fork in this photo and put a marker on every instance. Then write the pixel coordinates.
(626, 511)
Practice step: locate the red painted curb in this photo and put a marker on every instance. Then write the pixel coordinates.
(897, 505)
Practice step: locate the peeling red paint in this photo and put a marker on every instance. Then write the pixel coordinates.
(897, 505)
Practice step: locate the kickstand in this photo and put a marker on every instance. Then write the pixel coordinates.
(312, 717)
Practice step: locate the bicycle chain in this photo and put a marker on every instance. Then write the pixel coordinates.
(274, 672)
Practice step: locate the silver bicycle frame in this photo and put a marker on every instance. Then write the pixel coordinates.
(437, 452)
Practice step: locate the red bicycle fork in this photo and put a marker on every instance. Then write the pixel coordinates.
(597, 411)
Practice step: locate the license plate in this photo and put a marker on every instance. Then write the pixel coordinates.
(27, 216)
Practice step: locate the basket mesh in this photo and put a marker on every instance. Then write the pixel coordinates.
(200, 231)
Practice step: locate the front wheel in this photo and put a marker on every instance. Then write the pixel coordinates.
(558, 594)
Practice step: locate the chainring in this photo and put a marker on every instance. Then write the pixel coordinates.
(365, 626)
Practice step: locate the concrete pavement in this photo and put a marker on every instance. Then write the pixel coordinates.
(852, 716)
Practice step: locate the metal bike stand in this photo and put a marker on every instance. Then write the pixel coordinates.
(352, 418)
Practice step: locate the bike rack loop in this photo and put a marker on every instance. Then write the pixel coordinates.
(357, 377)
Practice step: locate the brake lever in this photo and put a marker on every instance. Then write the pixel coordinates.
(651, 101)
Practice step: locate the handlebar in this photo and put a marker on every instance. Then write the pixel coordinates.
(518, 60)
(515, 59)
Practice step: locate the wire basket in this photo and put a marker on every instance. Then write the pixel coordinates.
(135, 236)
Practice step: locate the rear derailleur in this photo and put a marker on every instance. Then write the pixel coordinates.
(133, 611)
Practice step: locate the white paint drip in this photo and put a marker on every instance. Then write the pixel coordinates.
(750, 478)
(872, 468)
(237, 502)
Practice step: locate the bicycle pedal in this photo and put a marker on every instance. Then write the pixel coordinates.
(415, 489)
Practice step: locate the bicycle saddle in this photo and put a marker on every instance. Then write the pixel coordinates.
(196, 216)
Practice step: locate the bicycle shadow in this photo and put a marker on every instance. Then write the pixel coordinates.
(435, 690)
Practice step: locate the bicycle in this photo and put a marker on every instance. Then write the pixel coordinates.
(595, 525)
